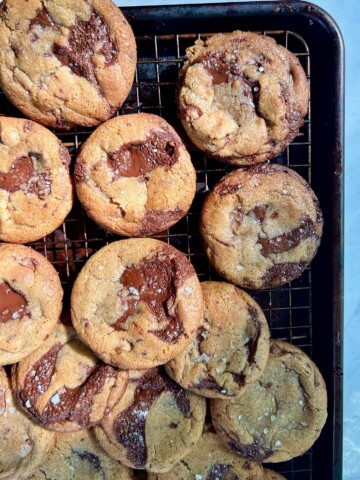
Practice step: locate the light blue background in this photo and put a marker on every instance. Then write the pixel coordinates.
(347, 15)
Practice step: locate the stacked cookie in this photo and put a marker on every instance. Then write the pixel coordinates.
(121, 382)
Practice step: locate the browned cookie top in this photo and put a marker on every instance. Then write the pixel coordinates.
(30, 301)
(64, 386)
(242, 97)
(281, 415)
(23, 444)
(154, 425)
(211, 460)
(261, 226)
(134, 175)
(36, 191)
(68, 63)
(137, 303)
(78, 456)
(230, 349)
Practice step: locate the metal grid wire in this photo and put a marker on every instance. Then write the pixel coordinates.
(288, 309)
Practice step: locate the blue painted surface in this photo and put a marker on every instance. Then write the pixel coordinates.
(347, 15)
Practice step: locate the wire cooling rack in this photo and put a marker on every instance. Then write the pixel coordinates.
(288, 309)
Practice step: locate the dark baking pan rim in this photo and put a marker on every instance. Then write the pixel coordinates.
(325, 42)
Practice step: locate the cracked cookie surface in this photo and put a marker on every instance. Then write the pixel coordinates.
(242, 98)
(23, 444)
(261, 226)
(30, 301)
(134, 175)
(154, 425)
(78, 456)
(63, 386)
(211, 460)
(281, 415)
(36, 190)
(137, 303)
(230, 349)
(66, 64)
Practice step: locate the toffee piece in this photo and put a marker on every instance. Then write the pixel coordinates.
(36, 190)
(23, 444)
(66, 64)
(242, 98)
(137, 303)
(211, 460)
(154, 425)
(231, 348)
(78, 456)
(63, 386)
(134, 175)
(30, 301)
(261, 226)
(281, 415)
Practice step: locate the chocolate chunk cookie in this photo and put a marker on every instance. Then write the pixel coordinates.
(36, 191)
(63, 386)
(154, 425)
(270, 475)
(30, 301)
(242, 98)
(211, 460)
(281, 415)
(78, 456)
(23, 444)
(230, 349)
(134, 175)
(261, 226)
(137, 303)
(66, 63)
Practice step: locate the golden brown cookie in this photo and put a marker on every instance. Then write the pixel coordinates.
(78, 456)
(36, 191)
(154, 425)
(261, 226)
(242, 98)
(23, 444)
(211, 460)
(134, 175)
(137, 303)
(281, 415)
(66, 63)
(270, 475)
(63, 386)
(231, 348)
(30, 301)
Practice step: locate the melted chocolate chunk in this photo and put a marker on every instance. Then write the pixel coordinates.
(64, 156)
(282, 271)
(3, 8)
(155, 281)
(129, 426)
(153, 220)
(93, 459)
(253, 452)
(28, 126)
(208, 383)
(239, 378)
(259, 212)
(218, 472)
(85, 40)
(44, 19)
(12, 304)
(253, 342)
(220, 69)
(136, 159)
(23, 176)
(287, 241)
(80, 172)
(223, 189)
(67, 404)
